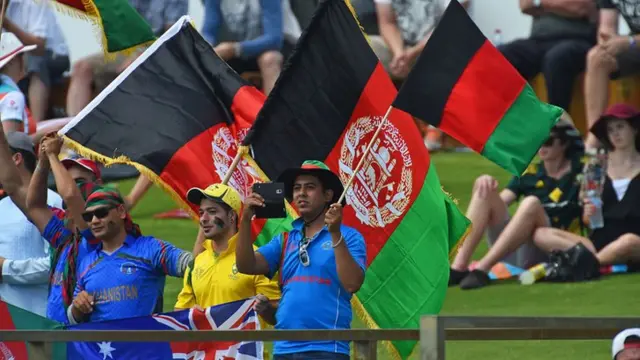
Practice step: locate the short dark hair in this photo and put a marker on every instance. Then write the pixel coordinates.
(28, 157)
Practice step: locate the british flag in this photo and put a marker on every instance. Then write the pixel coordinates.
(237, 315)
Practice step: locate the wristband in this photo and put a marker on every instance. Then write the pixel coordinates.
(338, 243)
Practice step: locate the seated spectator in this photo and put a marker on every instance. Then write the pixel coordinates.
(562, 32)
(34, 23)
(626, 345)
(618, 241)
(249, 35)
(405, 26)
(613, 57)
(13, 108)
(92, 74)
(550, 199)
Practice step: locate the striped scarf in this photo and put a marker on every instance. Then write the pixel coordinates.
(110, 196)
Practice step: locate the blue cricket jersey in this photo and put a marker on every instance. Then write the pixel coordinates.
(127, 283)
(312, 296)
(56, 234)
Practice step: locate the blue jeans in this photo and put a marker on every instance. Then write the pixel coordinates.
(312, 355)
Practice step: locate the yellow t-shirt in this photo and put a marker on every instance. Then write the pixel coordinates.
(214, 280)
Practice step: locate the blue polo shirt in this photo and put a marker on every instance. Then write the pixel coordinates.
(127, 282)
(312, 296)
(57, 234)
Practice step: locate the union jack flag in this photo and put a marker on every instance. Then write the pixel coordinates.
(237, 315)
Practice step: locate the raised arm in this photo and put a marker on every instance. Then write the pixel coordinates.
(37, 209)
(248, 261)
(142, 185)
(67, 188)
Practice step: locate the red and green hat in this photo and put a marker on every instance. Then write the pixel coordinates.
(315, 168)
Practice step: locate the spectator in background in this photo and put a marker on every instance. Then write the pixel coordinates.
(550, 198)
(562, 32)
(92, 74)
(34, 23)
(14, 113)
(247, 34)
(626, 345)
(24, 255)
(614, 57)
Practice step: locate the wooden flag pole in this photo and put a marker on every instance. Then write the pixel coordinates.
(2, 13)
(364, 156)
(233, 166)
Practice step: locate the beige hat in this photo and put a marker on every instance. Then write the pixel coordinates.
(10, 47)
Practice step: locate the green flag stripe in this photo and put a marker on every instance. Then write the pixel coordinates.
(410, 275)
(522, 130)
(273, 227)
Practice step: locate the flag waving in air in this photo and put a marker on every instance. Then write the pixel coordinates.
(326, 105)
(176, 114)
(464, 86)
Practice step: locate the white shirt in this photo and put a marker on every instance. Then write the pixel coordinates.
(37, 17)
(13, 104)
(25, 276)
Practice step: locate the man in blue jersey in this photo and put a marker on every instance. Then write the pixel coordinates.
(124, 275)
(321, 262)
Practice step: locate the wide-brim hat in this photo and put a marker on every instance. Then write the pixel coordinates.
(617, 111)
(329, 179)
(220, 193)
(10, 47)
(565, 130)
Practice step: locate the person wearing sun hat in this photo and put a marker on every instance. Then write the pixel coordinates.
(220, 206)
(13, 109)
(321, 262)
(618, 240)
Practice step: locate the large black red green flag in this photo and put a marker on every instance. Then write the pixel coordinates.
(176, 114)
(463, 85)
(326, 105)
(15, 318)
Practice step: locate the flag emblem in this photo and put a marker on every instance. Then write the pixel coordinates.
(224, 147)
(382, 188)
(5, 352)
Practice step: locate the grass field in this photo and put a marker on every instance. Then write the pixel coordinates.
(614, 296)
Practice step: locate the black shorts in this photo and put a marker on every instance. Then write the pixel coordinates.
(243, 65)
(628, 63)
(49, 67)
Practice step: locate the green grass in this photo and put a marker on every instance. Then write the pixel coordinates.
(614, 296)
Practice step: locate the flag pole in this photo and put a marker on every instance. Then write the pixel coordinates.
(233, 166)
(364, 155)
(2, 13)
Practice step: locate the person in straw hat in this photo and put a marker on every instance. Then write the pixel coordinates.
(321, 261)
(14, 113)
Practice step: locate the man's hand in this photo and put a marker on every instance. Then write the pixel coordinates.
(333, 218)
(252, 201)
(83, 303)
(399, 65)
(43, 160)
(53, 145)
(262, 304)
(226, 50)
(198, 308)
(484, 185)
(615, 45)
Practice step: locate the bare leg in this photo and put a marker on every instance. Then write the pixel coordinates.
(549, 239)
(529, 217)
(485, 211)
(80, 90)
(596, 87)
(270, 64)
(624, 249)
(38, 98)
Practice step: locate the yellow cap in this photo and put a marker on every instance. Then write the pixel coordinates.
(220, 193)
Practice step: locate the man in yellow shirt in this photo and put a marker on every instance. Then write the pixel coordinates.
(213, 278)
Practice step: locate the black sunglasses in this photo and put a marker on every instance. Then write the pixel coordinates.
(550, 140)
(99, 213)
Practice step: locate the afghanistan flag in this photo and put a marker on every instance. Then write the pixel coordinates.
(15, 318)
(464, 86)
(176, 114)
(118, 25)
(326, 105)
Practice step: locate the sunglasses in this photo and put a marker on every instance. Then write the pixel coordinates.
(99, 213)
(303, 254)
(549, 141)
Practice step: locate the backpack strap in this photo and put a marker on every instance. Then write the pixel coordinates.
(283, 252)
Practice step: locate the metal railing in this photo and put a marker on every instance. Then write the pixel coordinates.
(432, 336)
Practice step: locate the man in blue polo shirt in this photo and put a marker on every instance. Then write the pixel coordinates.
(320, 261)
(124, 275)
